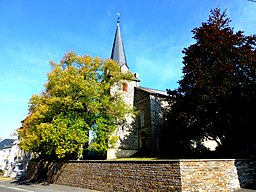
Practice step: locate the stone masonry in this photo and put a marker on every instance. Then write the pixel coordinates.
(159, 175)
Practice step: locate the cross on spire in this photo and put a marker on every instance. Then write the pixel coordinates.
(118, 18)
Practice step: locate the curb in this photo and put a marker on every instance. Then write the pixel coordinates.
(5, 178)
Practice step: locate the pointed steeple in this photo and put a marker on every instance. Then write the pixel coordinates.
(118, 54)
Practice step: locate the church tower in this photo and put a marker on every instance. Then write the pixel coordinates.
(127, 144)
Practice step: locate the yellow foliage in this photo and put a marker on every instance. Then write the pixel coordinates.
(76, 100)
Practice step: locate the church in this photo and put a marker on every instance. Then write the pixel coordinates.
(140, 134)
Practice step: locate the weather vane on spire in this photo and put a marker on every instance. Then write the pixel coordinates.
(118, 18)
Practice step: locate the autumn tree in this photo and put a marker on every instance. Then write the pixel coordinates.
(216, 96)
(77, 100)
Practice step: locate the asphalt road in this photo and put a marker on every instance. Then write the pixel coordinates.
(10, 185)
(13, 186)
(245, 190)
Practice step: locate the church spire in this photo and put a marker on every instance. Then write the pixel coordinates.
(118, 53)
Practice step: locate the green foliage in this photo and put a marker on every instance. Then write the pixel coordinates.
(77, 98)
(216, 96)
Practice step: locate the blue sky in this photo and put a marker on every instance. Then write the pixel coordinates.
(154, 32)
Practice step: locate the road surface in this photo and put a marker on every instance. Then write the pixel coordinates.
(10, 185)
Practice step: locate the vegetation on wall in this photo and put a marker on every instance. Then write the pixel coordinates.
(77, 100)
(216, 97)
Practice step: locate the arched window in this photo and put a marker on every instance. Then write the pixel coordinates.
(125, 87)
(142, 118)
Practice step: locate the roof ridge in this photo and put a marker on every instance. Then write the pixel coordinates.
(152, 90)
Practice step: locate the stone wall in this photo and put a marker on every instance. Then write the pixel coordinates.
(158, 104)
(142, 103)
(159, 175)
(209, 175)
(127, 143)
(111, 175)
(153, 105)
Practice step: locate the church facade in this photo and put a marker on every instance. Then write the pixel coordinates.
(140, 134)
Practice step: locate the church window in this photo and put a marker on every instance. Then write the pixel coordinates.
(142, 118)
(125, 87)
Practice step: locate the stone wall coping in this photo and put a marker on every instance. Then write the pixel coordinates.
(118, 161)
(145, 161)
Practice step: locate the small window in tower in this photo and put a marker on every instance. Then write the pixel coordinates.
(142, 118)
(125, 87)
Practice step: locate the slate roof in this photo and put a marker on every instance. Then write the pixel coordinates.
(153, 91)
(6, 143)
(118, 54)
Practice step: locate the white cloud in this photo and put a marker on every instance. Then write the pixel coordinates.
(157, 58)
(25, 63)
(159, 64)
(24, 68)
(245, 19)
(154, 73)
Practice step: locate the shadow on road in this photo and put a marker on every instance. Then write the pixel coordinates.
(24, 181)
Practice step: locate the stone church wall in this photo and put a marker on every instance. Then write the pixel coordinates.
(158, 106)
(127, 133)
(153, 106)
(142, 103)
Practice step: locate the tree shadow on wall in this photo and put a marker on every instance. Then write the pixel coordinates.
(41, 172)
(246, 171)
(129, 138)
